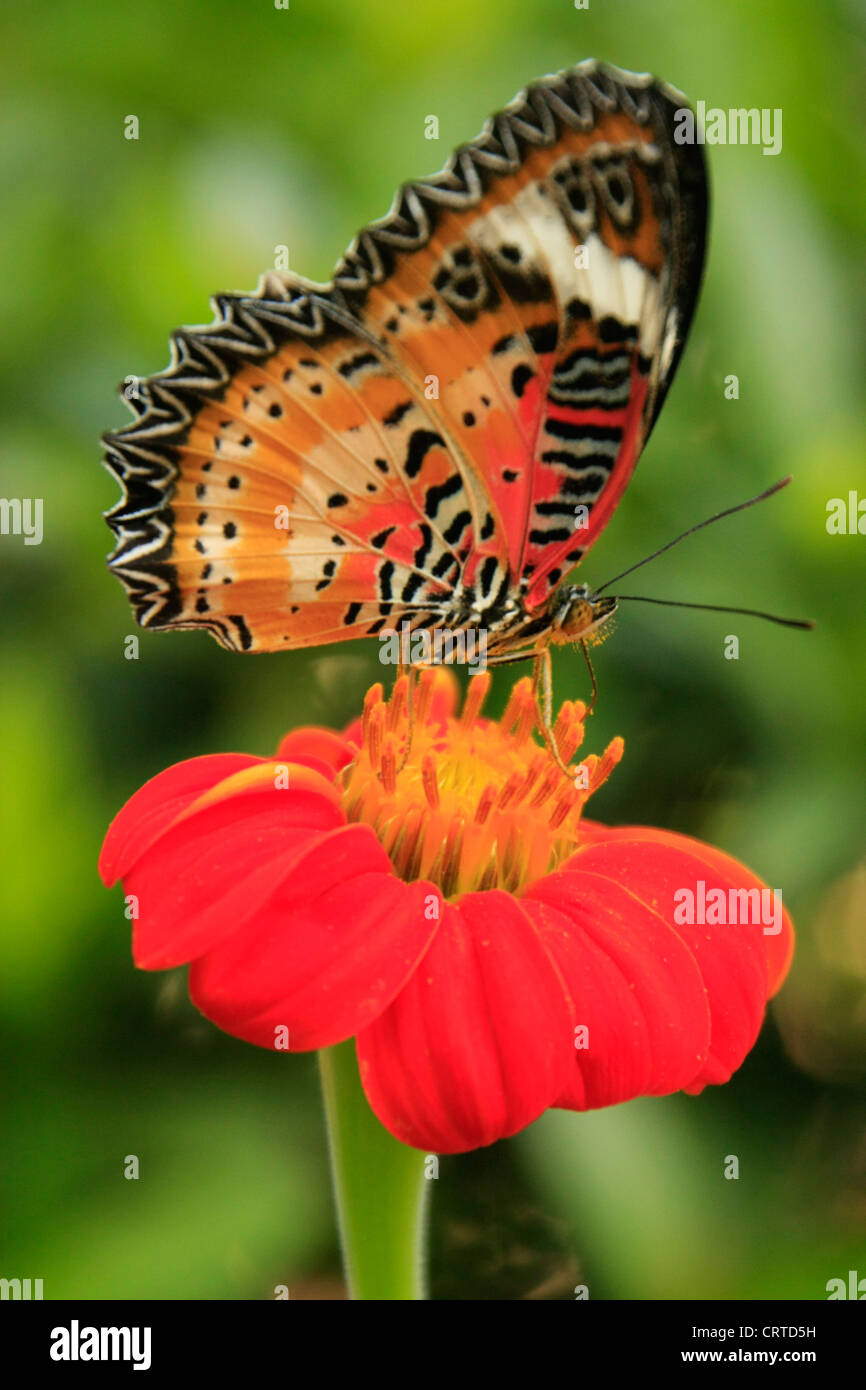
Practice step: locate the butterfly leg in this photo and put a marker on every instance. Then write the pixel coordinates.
(542, 693)
(542, 690)
(585, 649)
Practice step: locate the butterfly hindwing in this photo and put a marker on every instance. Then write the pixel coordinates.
(294, 482)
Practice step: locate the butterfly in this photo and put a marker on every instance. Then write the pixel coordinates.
(438, 435)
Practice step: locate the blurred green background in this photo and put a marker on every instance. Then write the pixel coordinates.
(261, 127)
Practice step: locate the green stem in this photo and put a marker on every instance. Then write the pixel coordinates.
(379, 1186)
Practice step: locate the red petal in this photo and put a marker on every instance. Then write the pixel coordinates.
(479, 1042)
(779, 949)
(155, 805)
(317, 748)
(327, 953)
(732, 959)
(222, 859)
(636, 988)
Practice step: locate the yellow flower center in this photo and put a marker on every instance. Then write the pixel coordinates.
(473, 803)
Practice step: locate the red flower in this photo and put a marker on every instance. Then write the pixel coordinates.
(492, 952)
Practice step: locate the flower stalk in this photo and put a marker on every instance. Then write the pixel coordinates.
(379, 1187)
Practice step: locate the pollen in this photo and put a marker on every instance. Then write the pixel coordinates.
(466, 802)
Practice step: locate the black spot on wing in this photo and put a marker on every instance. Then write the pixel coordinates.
(393, 418)
(487, 574)
(543, 337)
(354, 364)
(420, 444)
(381, 537)
(457, 527)
(386, 574)
(246, 637)
(558, 533)
(440, 492)
(420, 557)
(411, 587)
(520, 378)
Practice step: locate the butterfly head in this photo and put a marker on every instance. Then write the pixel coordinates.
(580, 615)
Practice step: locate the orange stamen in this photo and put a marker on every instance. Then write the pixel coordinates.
(475, 804)
(430, 781)
(475, 697)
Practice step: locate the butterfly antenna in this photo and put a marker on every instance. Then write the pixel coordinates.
(717, 608)
(729, 511)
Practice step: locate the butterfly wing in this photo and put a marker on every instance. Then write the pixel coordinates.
(555, 266)
(277, 478)
(625, 215)
(325, 460)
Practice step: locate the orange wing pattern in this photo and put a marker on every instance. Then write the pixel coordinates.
(411, 441)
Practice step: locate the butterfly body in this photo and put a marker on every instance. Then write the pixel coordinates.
(571, 614)
(437, 436)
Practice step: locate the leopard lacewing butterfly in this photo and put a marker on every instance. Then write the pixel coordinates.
(438, 435)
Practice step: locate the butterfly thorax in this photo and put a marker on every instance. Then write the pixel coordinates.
(578, 614)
